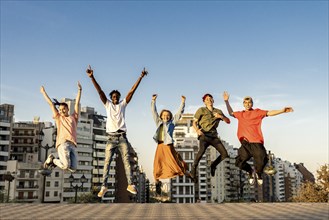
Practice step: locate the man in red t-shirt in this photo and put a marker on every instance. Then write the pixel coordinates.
(251, 137)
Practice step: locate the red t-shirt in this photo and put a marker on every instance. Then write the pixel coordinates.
(249, 126)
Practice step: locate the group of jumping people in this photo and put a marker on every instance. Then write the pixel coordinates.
(167, 161)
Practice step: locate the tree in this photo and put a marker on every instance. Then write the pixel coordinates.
(315, 192)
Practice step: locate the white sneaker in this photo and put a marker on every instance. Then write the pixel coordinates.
(251, 180)
(132, 189)
(71, 170)
(102, 192)
(49, 161)
(259, 180)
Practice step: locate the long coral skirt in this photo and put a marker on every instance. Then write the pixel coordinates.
(168, 163)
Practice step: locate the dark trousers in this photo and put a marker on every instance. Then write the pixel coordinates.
(204, 143)
(248, 150)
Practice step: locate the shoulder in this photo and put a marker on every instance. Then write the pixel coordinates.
(260, 110)
(201, 109)
(123, 102)
(217, 110)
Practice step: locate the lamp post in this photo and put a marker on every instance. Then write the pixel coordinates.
(270, 171)
(9, 177)
(43, 171)
(83, 180)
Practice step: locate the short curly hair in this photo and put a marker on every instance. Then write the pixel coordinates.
(114, 91)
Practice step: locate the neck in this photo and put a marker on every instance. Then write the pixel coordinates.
(210, 107)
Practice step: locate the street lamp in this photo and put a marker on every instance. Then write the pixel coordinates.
(270, 171)
(9, 177)
(43, 171)
(83, 180)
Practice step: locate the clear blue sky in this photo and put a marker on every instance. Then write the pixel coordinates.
(276, 52)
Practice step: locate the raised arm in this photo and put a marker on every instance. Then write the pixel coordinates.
(154, 111)
(102, 95)
(51, 104)
(180, 111)
(226, 97)
(278, 112)
(133, 89)
(77, 99)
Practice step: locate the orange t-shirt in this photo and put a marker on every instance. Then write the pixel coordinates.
(249, 125)
(66, 128)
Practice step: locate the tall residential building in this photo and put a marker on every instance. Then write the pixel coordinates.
(307, 175)
(286, 180)
(183, 190)
(229, 183)
(24, 162)
(6, 126)
(99, 139)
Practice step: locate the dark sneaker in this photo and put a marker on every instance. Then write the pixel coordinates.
(49, 161)
(158, 187)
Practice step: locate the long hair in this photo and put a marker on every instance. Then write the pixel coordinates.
(165, 110)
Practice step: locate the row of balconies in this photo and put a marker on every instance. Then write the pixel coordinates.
(26, 198)
(36, 187)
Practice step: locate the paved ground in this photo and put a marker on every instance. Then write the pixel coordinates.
(166, 211)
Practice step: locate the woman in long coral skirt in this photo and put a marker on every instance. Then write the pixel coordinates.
(167, 162)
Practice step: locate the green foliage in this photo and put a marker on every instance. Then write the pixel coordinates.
(315, 192)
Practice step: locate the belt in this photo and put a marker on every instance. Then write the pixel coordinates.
(117, 134)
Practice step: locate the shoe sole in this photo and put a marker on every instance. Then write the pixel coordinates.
(101, 195)
(132, 192)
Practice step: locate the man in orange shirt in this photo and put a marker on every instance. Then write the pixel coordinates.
(66, 140)
(251, 137)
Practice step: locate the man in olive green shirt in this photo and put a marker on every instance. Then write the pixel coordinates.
(205, 123)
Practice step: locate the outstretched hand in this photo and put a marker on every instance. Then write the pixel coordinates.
(79, 86)
(154, 97)
(42, 89)
(89, 71)
(183, 98)
(226, 96)
(288, 109)
(144, 72)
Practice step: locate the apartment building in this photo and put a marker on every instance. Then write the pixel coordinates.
(230, 184)
(6, 126)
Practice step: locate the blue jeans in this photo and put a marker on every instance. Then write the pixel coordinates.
(67, 157)
(117, 142)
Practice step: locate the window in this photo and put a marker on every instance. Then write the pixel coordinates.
(56, 174)
(48, 183)
(56, 183)
(47, 193)
(55, 193)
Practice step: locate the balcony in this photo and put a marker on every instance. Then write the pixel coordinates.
(29, 188)
(27, 199)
